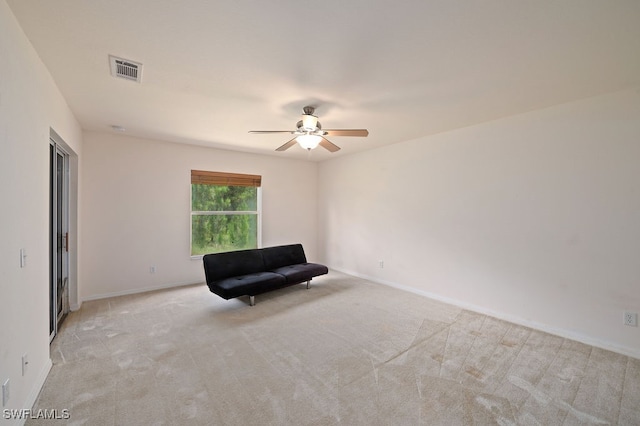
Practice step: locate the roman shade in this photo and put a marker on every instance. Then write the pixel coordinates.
(222, 178)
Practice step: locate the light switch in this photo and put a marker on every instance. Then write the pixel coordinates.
(23, 258)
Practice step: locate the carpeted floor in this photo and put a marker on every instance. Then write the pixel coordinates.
(346, 351)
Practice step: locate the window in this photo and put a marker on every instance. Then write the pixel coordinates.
(225, 212)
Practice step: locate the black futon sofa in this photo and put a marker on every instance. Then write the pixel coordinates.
(252, 272)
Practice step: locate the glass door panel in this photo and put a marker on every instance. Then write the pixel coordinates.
(59, 239)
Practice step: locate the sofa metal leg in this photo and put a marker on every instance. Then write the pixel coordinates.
(308, 282)
(252, 300)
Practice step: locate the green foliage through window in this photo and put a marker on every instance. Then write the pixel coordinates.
(223, 218)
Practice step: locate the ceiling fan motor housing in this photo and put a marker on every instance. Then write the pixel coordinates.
(309, 121)
(300, 126)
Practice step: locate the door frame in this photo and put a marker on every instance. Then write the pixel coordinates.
(72, 225)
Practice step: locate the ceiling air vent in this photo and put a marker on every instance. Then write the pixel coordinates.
(125, 68)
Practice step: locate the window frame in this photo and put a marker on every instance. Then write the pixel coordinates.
(225, 179)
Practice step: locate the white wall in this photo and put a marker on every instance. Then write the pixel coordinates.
(534, 218)
(136, 197)
(30, 105)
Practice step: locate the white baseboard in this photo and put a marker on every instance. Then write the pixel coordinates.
(137, 290)
(567, 334)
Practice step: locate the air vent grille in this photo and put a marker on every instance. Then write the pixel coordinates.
(125, 68)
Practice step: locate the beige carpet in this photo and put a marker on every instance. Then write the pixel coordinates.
(346, 351)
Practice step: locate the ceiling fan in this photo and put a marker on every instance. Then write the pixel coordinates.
(309, 133)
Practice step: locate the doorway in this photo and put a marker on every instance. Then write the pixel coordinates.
(58, 237)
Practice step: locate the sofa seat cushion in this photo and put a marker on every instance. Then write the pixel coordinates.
(301, 272)
(249, 284)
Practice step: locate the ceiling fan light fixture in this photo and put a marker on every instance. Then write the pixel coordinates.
(309, 122)
(308, 141)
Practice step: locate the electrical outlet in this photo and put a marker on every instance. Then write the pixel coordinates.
(152, 270)
(630, 319)
(25, 364)
(5, 393)
(381, 263)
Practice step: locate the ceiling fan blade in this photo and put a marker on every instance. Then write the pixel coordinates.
(346, 132)
(329, 146)
(287, 145)
(270, 131)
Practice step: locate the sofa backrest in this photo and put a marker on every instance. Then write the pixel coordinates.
(218, 266)
(279, 256)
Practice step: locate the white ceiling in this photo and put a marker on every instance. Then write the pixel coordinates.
(213, 70)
